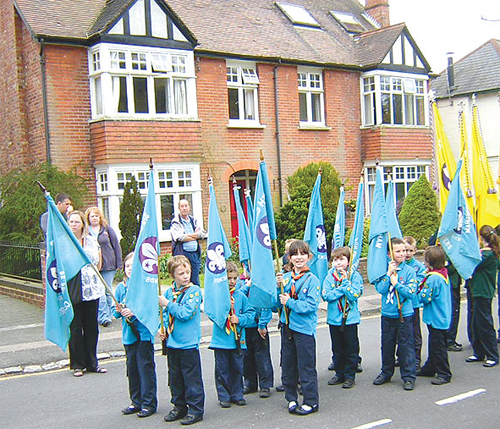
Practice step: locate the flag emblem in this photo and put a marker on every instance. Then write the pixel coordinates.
(263, 233)
(52, 277)
(216, 261)
(148, 255)
(460, 222)
(321, 238)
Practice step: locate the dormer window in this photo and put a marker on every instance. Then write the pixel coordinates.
(298, 15)
(348, 21)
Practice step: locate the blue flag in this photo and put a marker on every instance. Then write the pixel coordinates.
(263, 289)
(392, 219)
(250, 210)
(339, 229)
(315, 235)
(356, 239)
(244, 237)
(65, 257)
(142, 295)
(269, 200)
(457, 231)
(217, 297)
(377, 250)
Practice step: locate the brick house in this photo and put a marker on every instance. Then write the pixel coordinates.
(201, 86)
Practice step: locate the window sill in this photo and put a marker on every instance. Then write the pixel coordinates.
(243, 124)
(410, 127)
(311, 127)
(142, 118)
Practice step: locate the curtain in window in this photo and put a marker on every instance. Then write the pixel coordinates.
(180, 97)
(249, 103)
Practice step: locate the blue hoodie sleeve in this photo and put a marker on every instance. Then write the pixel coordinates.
(246, 314)
(189, 305)
(311, 301)
(353, 289)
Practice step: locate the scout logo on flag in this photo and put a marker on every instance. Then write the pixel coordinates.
(216, 261)
(148, 255)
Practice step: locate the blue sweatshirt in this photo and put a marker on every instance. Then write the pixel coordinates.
(335, 292)
(420, 271)
(262, 315)
(436, 298)
(304, 309)
(406, 286)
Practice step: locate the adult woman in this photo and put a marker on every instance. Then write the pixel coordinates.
(482, 286)
(111, 258)
(85, 291)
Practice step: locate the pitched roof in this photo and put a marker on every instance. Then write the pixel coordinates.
(373, 46)
(478, 71)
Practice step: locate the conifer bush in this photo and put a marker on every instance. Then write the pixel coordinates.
(130, 216)
(419, 215)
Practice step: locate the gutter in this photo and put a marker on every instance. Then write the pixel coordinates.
(278, 136)
(44, 100)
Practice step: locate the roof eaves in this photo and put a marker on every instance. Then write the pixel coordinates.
(23, 18)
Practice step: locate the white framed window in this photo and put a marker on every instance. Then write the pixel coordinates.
(298, 15)
(173, 183)
(142, 82)
(242, 86)
(391, 99)
(311, 97)
(403, 175)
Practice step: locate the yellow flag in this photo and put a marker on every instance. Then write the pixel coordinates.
(446, 164)
(466, 173)
(487, 202)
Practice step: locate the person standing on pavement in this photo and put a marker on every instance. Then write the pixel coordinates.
(63, 204)
(111, 258)
(186, 234)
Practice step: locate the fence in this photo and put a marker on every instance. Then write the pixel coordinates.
(20, 260)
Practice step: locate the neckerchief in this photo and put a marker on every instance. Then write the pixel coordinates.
(338, 280)
(442, 272)
(175, 296)
(390, 295)
(295, 277)
(230, 326)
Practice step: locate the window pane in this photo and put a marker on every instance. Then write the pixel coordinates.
(420, 111)
(409, 109)
(400, 191)
(161, 95)
(180, 97)
(105, 207)
(233, 104)
(249, 105)
(167, 210)
(397, 100)
(303, 106)
(316, 107)
(369, 109)
(120, 93)
(141, 95)
(98, 96)
(302, 80)
(232, 74)
(386, 108)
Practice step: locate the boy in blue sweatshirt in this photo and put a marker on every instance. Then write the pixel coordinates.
(183, 333)
(397, 288)
(138, 343)
(342, 291)
(228, 344)
(435, 294)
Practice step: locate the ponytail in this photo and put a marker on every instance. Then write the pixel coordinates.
(490, 237)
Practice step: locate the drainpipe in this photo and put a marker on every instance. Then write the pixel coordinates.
(44, 100)
(278, 139)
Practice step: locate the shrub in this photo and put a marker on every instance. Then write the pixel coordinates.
(130, 216)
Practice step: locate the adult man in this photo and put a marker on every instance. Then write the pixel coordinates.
(185, 235)
(63, 203)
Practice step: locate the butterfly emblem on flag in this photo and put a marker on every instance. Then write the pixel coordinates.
(321, 238)
(216, 261)
(263, 233)
(148, 255)
(52, 277)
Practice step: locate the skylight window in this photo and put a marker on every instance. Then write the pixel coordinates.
(348, 21)
(299, 15)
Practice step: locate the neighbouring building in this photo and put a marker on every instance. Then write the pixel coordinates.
(201, 86)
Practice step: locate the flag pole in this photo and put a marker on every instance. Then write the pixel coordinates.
(400, 309)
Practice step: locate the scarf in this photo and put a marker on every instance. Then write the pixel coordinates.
(175, 296)
(230, 326)
(443, 272)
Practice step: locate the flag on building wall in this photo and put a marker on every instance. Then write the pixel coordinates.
(356, 239)
(457, 232)
(142, 294)
(392, 219)
(216, 297)
(315, 235)
(339, 228)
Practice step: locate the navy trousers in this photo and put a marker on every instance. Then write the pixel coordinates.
(257, 365)
(455, 316)
(485, 342)
(393, 331)
(194, 259)
(437, 356)
(298, 363)
(229, 374)
(346, 349)
(141, 374)
(185, 381)
(84, 334)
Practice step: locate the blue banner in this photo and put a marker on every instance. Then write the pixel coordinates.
(315, 235)
(269, 200)
(457, 231)
(244, 236)
(250, 209)
(142, 295)
(392, 219)
(356, 239)
(339, 229)
(65, 257)
(216, 297)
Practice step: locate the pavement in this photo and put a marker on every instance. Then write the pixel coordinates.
(24, 349)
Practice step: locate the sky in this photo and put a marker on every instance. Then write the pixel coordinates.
(442, 26)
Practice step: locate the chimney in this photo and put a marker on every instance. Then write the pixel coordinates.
(378, 9)
(450, 73)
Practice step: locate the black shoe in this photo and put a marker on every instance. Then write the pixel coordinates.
(247, 390)
(454, 348)
(265, 393)
(304, 409)
(359, 368)
(348, 383)
(336, 380)
(280, 388)
(145, 412)
(191, 419)
(175, 414)
(224, 404)
(239, 402)
(381, 379)
(131, 409)
(438, 381)
(473, 358)
(331, 367)
(292, 407)
(422, 373)
(408, 385)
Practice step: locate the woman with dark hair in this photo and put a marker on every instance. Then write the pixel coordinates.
(85, 291)
(482, 286)
(111, 258)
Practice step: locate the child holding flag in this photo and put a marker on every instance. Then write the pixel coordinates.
(435, 294)
(228, 344)
(138, 343)
(182, 315)
(397, 288)
(342, 291)
(299, 299)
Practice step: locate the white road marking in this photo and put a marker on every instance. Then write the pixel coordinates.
(374, 424)
(460, 397)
